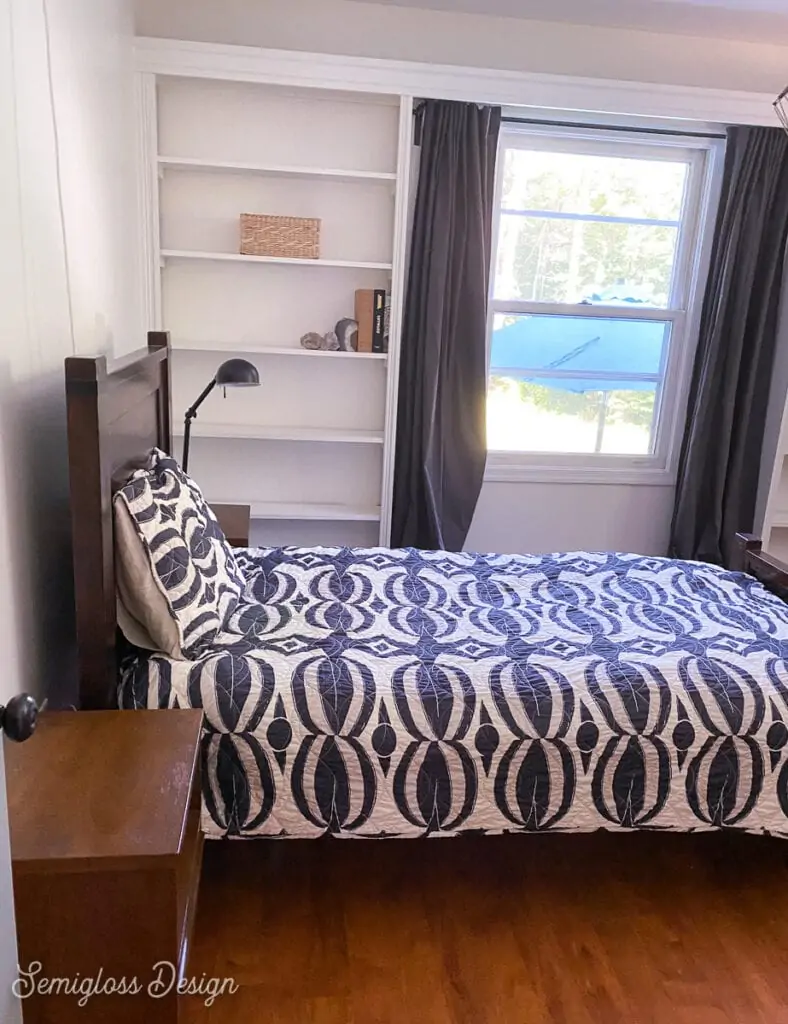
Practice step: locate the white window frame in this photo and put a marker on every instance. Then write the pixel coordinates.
(705, 157)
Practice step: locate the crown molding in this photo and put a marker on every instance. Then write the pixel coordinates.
(480, 85)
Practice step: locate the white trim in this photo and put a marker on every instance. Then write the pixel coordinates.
(475, 85)
(148, 191)
(513, 307)
(398, 283)
(697, 258)
(501, 470)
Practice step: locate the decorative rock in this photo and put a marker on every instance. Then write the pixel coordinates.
(330, 342)
(312, 340)
(347, 332)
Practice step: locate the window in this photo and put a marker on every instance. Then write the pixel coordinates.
(598, 252)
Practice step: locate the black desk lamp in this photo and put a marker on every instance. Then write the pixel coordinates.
(234, 373)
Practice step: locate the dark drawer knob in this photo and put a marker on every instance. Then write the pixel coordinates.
(18, 718)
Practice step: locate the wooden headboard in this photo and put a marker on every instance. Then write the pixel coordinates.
(114, 419)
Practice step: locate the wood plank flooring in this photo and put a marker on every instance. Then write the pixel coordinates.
(637, 929)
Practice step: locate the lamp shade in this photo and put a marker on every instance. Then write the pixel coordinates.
(237, 373)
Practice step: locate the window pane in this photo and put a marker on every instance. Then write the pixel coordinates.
(525, 416)
(549, 390)
(545, 260)
(567, 232)
(574, 183)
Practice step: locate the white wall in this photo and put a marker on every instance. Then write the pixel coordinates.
(571, 517)
(375, 30)
(81, 61)
(93, 90)
(520, 517)
(60, 162)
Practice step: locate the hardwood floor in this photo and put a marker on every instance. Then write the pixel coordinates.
(638, 929)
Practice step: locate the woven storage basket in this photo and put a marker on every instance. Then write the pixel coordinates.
(265, 235)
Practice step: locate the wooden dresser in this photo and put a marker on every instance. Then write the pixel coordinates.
(104, 813)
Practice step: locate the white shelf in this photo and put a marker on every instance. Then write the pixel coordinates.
(305, 511)
(323, 435)
(273, 170)
(187, 254)
(272, 350)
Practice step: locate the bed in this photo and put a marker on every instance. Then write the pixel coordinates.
(377, 693)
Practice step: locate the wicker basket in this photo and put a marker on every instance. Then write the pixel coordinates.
(265, 235)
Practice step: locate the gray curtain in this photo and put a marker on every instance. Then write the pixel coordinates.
(720, 458)
(441, 431)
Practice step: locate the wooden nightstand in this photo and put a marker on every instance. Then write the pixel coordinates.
(104, 813)
(234, 521)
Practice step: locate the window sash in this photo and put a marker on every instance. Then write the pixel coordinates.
(591, 218)
(554, 374)
(647, 149)
(659, 436)
(518, 307)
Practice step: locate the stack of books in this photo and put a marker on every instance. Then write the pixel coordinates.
(373, 311)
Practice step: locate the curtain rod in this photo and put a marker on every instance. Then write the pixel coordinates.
(615, 128)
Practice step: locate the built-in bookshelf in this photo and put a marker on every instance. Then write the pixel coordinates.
(311, 450)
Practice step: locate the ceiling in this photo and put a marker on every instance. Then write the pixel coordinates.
(763, 21)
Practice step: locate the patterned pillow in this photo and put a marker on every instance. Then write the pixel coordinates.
(192, 564)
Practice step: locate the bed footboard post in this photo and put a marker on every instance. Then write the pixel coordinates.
(746, 544)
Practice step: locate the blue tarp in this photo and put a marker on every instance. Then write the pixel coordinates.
(580, 344)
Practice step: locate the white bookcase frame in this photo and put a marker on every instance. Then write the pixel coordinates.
(158, 257)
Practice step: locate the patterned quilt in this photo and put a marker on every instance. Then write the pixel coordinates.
(410, 693)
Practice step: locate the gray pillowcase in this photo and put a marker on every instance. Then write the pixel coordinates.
(192, 565)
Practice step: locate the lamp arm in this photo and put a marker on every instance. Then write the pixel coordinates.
(191, 413)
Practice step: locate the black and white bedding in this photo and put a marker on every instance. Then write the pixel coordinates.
(403, 693)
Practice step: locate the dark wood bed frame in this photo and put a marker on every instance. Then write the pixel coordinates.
(751, 558)
(114, 419)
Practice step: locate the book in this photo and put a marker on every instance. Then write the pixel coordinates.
(365, 316)
(379, 323)
(370, 309)
(387, 322)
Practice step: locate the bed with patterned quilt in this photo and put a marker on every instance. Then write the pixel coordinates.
(378, 693)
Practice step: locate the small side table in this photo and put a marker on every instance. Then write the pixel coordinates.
(234, 521)
(106, 849)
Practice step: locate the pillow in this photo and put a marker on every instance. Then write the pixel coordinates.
(144, 616)
(189, 561)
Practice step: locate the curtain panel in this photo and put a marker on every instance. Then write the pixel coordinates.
(726, 416)
(441, 420)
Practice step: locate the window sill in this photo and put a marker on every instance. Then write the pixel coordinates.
(507, 467)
